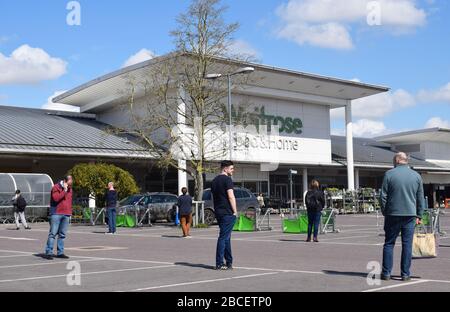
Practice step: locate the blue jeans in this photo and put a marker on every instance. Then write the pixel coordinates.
(58, 227)
(392, 227)
(313, 220)
(112, 219)
(226, 225)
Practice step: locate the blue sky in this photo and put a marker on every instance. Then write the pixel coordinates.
(408, 52)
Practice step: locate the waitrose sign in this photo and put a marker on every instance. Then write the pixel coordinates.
(286, 125)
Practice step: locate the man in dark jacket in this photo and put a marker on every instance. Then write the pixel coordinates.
(315, 202)
(20, 204)
(111, 204)
(402, 205)
(60, 213)
(185, 211)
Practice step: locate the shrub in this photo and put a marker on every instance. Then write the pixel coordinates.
(94, 178)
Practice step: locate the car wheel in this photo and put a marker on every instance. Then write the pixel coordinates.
(171, 215)
(210, 217)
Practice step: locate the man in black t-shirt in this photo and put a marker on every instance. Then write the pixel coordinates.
(226, 211)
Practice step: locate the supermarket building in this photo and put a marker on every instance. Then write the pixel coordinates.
(52, 142)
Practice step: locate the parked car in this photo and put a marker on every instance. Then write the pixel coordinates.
(162, 205)
(246, 203)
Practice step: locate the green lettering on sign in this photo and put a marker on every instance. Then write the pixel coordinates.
(287, 125)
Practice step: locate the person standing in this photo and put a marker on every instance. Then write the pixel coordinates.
(261, 202)
(111, 205)
(20, 204)
(225, 209)
(60, 213)
(315, 202)
(185, 211)
(402, 205)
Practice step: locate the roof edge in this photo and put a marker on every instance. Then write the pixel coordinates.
(162, 58)
(394, 135)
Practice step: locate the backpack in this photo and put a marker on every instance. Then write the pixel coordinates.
(311, 201)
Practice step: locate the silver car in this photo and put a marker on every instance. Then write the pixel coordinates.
(247, 203)
(162, 205)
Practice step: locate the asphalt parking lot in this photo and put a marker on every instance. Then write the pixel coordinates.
(157, 259)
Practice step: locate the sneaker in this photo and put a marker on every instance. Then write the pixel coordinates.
(308, 240)
(406, 278)
(316, 240)
(222, 268)
(47, 257)
(62, 257)
(17, 228)
(109, 233)
(230, 267)
(385, 278)
(28, 228)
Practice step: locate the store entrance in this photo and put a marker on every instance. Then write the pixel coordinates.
(281, 192)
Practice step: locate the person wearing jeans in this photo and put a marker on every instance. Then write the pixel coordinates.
(60, 213)
(111, 204)
(226, 225)
(58, 227)
(315, 202)
(402, 205)
(225, 208)
(313, 223)
(393, 226)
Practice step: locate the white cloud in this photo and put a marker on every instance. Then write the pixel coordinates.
(437, 122)
(329, 35)
(440, 95)
(58, 106)
(378, 106)
(141, 56)
(327, 23)
(364, 128)
(368, 128)
(30, 65)
(242, 48)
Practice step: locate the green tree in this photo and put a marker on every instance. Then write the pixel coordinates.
(94, 179)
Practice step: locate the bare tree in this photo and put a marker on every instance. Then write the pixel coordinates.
(175, 112)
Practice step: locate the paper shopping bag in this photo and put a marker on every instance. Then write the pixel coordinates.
(424, 246)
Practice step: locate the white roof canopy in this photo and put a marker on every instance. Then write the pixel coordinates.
(98, 94)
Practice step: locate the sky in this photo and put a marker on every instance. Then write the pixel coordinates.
(402, 44)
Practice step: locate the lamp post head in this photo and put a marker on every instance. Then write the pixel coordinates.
(244, 70)
(213, 76)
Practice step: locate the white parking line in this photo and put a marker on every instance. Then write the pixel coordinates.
(14, 256)
(346, 237)
(203, 282)
(16, 251)
(397, 286)
(87, 273)
(46, 263)
(18, 238)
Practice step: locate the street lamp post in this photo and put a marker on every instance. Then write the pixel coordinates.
(244, 70)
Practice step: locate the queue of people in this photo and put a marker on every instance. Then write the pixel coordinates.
(402, 205)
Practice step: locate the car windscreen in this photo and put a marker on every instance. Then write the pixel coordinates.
(130, 200)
